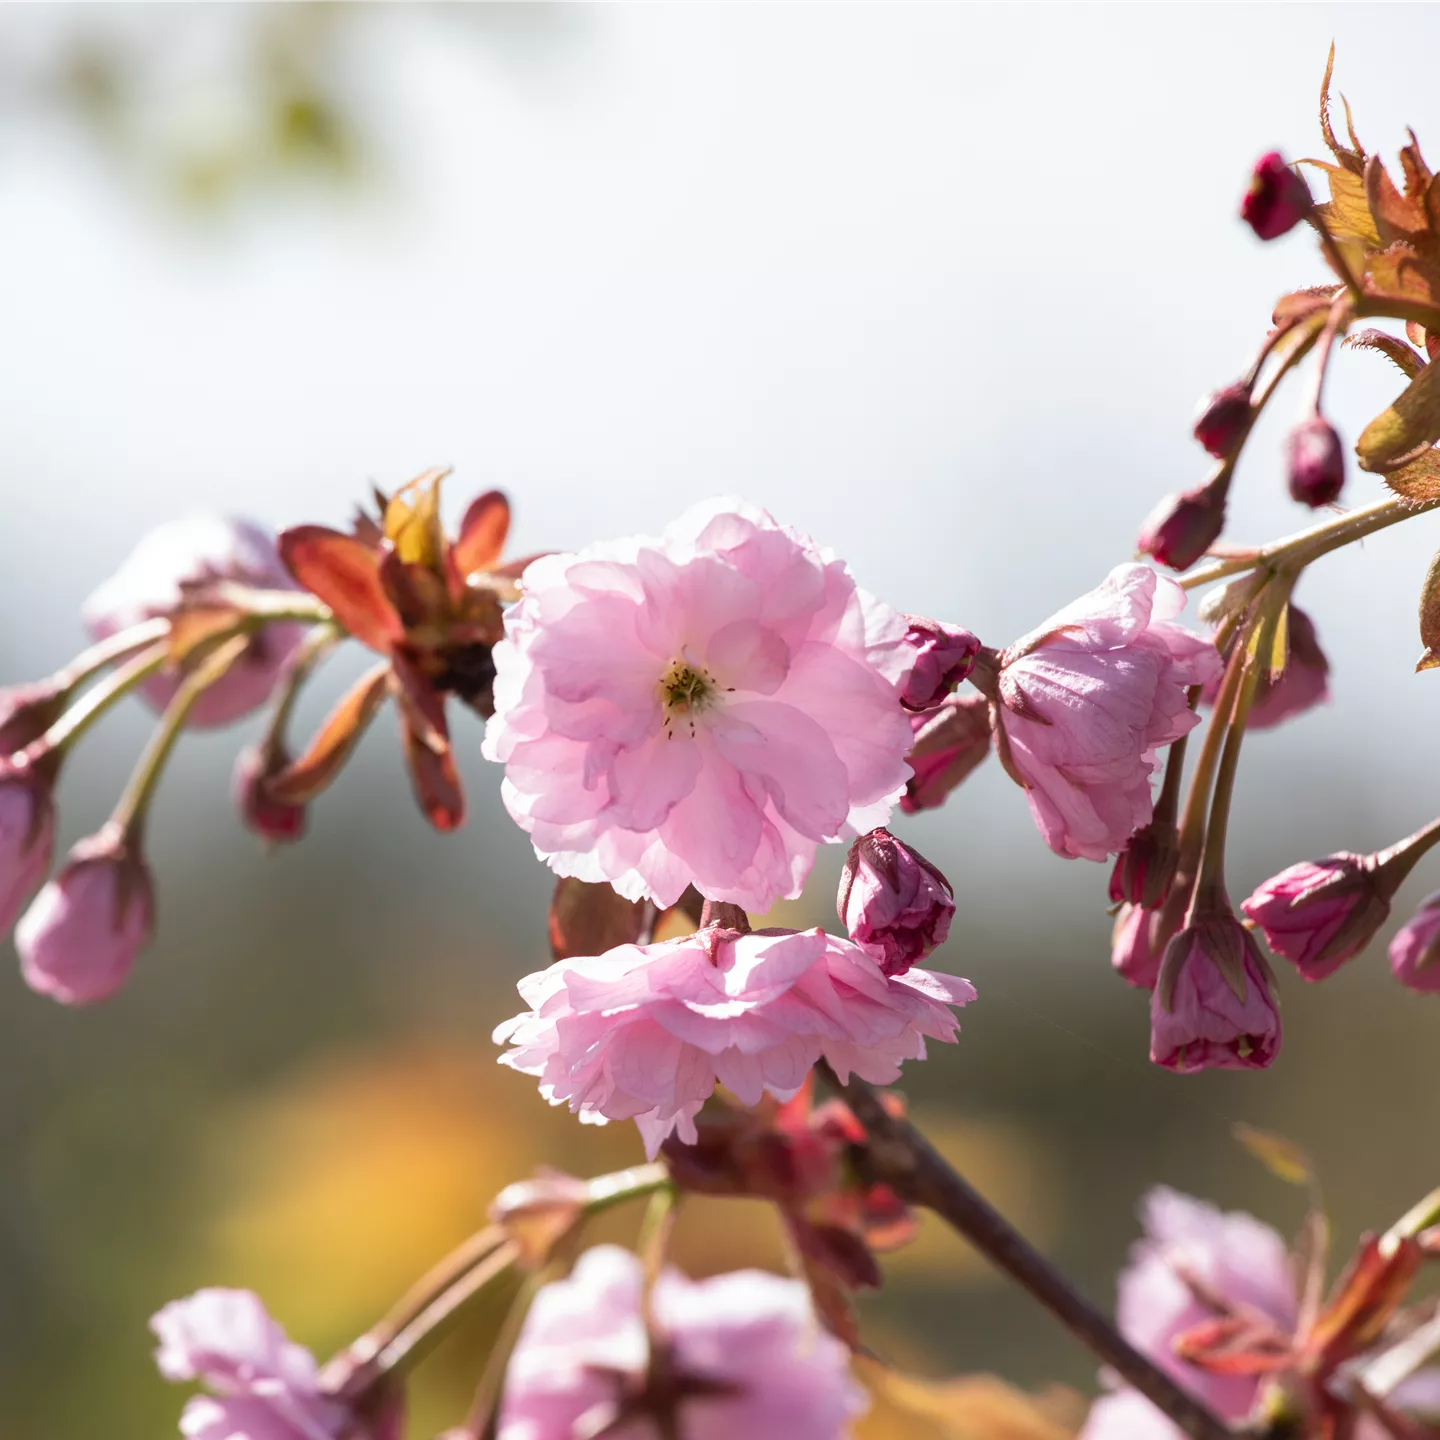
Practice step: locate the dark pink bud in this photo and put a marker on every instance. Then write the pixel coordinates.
(943, 656)
(949, 743)
(79, 938)
(27, 712)
(1320, 913)
(1277, 200)
(1303, 683)
(1314, 462)
(1181, 528)
(895, 905)
(1214, 1005)
(274, 820)
(1415, 950)
(27, 839)
(1146, 866)
(1222, 419)
(1136, 948)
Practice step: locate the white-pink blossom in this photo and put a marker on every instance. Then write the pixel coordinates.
(152, 581)
(645, 1032)
(1086, 700)
(705, 708)
(744, 1355)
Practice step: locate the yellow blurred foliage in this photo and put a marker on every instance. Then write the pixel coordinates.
(969, 1407)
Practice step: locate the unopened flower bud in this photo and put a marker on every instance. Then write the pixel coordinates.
(27, 838)
(1320, 913)
(79, 938)
(949, 744)
(536, 1213)
(895, 905)
(27, 712)
(274, 820)
(943, 655)
(1146, 866)
(1214, 1006)
(1415, 950)
(1314, 462)
(1222, 419)
(1136, 947)
(1182, 527)
(1277, 200)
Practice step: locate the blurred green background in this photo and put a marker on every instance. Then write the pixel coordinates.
(938, 285)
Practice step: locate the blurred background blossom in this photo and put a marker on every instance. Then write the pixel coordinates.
(940, 286)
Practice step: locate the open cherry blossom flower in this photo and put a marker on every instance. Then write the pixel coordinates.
(743, 1354)
(153, 581)
(1085, 701)
(705, 708)
(646, 1032)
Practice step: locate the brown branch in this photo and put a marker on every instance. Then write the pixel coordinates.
(899, 1155)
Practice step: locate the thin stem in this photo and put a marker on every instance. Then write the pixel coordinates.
(1212, 855)
(485, 1407)
(1337, 320)
(129, 814)
(1399, 859)
(902, 1157)
(315, 646)
(109, 651)
(93, 705)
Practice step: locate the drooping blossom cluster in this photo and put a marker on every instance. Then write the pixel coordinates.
(739, 1354)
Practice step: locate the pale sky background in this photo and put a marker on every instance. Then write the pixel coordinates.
(939, 285)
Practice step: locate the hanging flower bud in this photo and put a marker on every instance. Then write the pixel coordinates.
(538, 1212)
(277, 821)
(1214, 1005)
(1277, 200)
(895, 905)
(27, 838)
(943, 655)
(27, 712)
(1415, 950)
(949, 743)
(1181, 528)
(1136, 947)
(1303, 684)
(1146, 866)
(154, 581)
(78, 940)
(1320, 913)
(1314, 462)
(1222, 419)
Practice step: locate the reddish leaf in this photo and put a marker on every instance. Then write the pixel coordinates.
(1363, 1301)
(327, 753)
(1390, 346)
(431, 762)
(1430, 617)
(345, 573)
(842, 1252)
(482, 533)
(1235, 1345)
(589, 919)
(1418, 481)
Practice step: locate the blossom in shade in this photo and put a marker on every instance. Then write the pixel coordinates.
(950, 741)
(1193, 1257)
(1135, 949)
(27, 839)
(705, 708)
(1320, 913)
(1277, 199)
(1182, 527)
(1085, 701)
(78, 940)
(1145, 868)
(1303, 683)
(645, 1032)
(740, 1354)
(153, 581)
(263, 1386)
(942, 656)
(1222, 418)
(1214, 1005)
(895, 905)
(1415, 950)
(1314, 462)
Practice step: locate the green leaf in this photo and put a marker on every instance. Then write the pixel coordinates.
(1405, 430)
(1281, 1157)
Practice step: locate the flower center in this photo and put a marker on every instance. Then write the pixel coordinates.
(686, 690)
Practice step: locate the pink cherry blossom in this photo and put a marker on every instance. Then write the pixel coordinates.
(645, 1032)
(1320, 913)
(264, 1386)
(78, 940)
(704, 707)
(1192, 1247)
(27, 839)
(744, 1356)
(150, 583)
(1086, 700)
